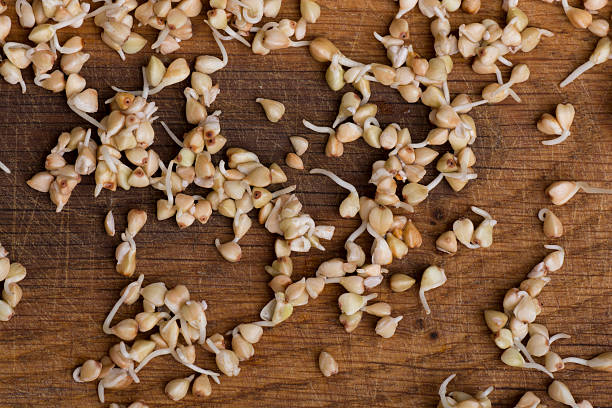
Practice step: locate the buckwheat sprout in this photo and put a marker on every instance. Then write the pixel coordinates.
(84, 115)
(216, 34)
(432, 278)
(113, 312)
(63, 50)
(283, 191)
(130, 368)
(357, 233)
(335, 179)
(434, 183)
(161, 37)
(442, 391)
(600, 55)
(404, 206)
(39, 78)
(470, 106)
(601, 362)
(4, 168)
(482, 213)
(112, 379)
(531, 362)
(560, 139)
(180, 357)
(168, 184)
(446, 92)
(505, 61)
(171, 134)
(318, 129)
(151, 356)
(558, 336)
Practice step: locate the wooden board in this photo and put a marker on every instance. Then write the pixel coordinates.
(71, 283)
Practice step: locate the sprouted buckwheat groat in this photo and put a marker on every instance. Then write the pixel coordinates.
(560, 192)
(173, 315)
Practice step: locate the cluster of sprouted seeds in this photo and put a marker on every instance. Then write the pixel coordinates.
(557, 391)
(464, 232)
(460, 399)
(168, 316)
(516, 322)
(11, 274)
(137, 404)
(241, 184)
(60, 178)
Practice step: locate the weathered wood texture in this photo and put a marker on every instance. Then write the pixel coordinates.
(71, 283)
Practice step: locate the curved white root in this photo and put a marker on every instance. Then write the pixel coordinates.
(442, 391)
(542, 214)
(360, 230)
(560, 139)
(481, 212)
(434, 183)
(171, 134)
(592, 190)
(113, 312)
(335, 179)
(318, 129)
(576, 73)
(283, 191)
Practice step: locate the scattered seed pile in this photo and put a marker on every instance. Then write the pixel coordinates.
(118, 150)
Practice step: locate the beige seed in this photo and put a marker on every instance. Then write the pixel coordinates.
(178, 388)
(109, 224)
(327, 364)
(90, 370)
(300, 144)
(228, 362)
(447, 242)
(387, 325)
(552, 227)
(294, 161)
(379, 309)
(350, 322)
(503, 339)
(274, 110)
(401, 282)
(243, 349)
(559, 392)
(201, 387)
(495, 320)
(251, 332)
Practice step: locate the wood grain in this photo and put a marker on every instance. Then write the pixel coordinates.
(71, 283)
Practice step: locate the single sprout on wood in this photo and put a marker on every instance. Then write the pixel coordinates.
(432, 278)
(560, 192)
(274, 110)
(386, 326)
(602, 362)
(600, 55)
(327, 364)
(350, 205)
(559, 392)
(553, 228)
